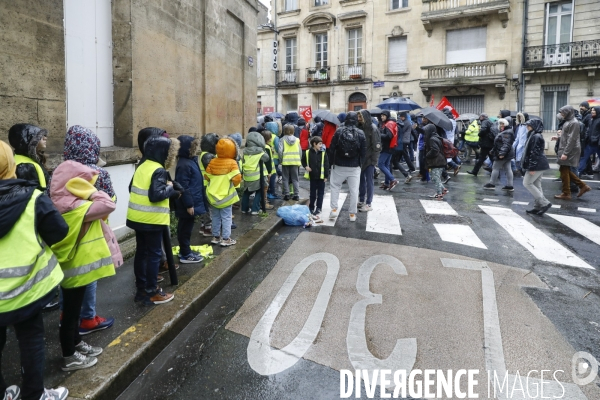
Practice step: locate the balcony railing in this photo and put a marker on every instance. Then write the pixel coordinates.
(564, 54)
(318, 75)
(449, 5)
(288, 77)
(351, 72)
(470, 70)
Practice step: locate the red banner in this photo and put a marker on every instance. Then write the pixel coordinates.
(431, 103)
(268, 110)
(306, 112)
(446, 103)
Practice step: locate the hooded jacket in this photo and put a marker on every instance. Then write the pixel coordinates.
(486, 137)
(237, 138)
(102, 205)
(386, 134)
(224, 163)
(163, 151)
(49, 224)
(594, 129)
(372, 140)
(289, 139)
(292, 119)
(503, 145)
(208, 143)
(350, 126)
(434, 148)
(188, 175)
(569, 139)
(534, 158)
(255, 144)
(24, 138)
(406, 133)
(328, 132)
(520, 137)
(146, 134)
(82, 145)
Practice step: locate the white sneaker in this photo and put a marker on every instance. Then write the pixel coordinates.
(60, 393)
(366, 208)
(12, 393)
(78, 361)
(352, 217)
(333, 214)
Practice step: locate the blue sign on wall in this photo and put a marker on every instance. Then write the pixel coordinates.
(378, 84)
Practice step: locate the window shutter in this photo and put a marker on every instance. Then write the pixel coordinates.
(466, 45)
(397, 55)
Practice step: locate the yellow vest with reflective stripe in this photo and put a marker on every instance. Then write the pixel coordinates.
(28, 270)
(87, 260)
(269, 151)
(202, 170)
(322, 165)
(220, 191)
(251, 167)
(19, 159)
(272, 144)
(140, 208)
(291, 153)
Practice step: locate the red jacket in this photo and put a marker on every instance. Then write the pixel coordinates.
(391, 125)
(304, 139)
(328, 132)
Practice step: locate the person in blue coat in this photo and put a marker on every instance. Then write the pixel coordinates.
(191, 202)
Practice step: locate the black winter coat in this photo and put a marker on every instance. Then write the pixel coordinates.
(336, 157)
(594, 129)
(486, 137)
(503, 145)
(434, 148)
(534, 158)
(188, 175)
(314, 162)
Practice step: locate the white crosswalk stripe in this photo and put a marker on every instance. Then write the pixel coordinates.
(327, 209)
(580, 225)
(592, 210)
(534, 240)
(384, 217)
(461, 234)
(438, 207)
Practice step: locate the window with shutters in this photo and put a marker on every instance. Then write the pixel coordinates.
(321, 50)
(553, 98)
(290, 5)
(466, 45)
(354, 46)
(397, 4)
(88, 64)
(397, 54)
(290, 54)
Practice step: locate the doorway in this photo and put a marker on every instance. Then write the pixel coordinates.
(357, 101)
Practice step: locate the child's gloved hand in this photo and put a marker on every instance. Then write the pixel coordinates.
(80, 188)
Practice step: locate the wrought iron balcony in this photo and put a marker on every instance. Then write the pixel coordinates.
(445, 10)
(351, 72)
(288, 77)
(318, 75)
(565, 54)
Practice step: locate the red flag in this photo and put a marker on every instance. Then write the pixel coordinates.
(431, 102)
(306, 112)
(446, 103)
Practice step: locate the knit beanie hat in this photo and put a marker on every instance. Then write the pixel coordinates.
(7, 162)
(584, 104)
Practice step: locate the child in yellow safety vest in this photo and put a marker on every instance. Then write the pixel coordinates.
(316, 163)
(29, 142)
(223, 175)
(256, 166)
(84, 254)
(290, 156)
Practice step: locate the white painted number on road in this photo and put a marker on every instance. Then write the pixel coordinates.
(261, 356)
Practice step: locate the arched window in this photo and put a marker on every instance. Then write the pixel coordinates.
(357, 98)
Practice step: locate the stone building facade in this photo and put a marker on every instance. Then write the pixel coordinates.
(346, 54)
(117, 66)
(562, 56)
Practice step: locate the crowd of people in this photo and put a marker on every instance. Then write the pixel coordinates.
(54, 226)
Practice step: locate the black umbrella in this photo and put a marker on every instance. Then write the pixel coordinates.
(437, 118)
(328, 116)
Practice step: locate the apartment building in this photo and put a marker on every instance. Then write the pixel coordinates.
(350, 54)
(562, 55)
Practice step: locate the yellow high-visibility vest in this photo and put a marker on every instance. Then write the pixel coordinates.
(272, 144)
(29, 270)
(472, 132)
(269, 151)
(322, 165)
(251, 167)
(291, 153)
(202, 169)
(140, 208)
(19, 159)
(220, 191)
(87, 260)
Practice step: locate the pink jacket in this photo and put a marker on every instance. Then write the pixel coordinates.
(101, 207)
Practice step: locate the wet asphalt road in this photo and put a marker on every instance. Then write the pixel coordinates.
(209, 361)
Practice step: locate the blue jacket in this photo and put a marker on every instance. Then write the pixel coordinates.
(188, 175)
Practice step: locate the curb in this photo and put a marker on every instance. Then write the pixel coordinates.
(133, 350)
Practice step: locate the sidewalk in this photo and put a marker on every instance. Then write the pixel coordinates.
(141, 332)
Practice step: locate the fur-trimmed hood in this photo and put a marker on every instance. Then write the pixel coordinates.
(188, 146)
(146, 134)
(24, 138)
(162, 150)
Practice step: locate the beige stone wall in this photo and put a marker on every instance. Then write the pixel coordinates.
(378, 24)
(32, 67)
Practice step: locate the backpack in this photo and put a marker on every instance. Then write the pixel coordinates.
(349, 144)
(449, 150)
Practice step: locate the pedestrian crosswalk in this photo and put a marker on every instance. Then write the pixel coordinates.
(326, 210)
(384, 219)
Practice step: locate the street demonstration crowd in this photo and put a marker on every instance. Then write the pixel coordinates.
(54, 228)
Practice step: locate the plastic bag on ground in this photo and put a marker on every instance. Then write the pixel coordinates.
(296, 215)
